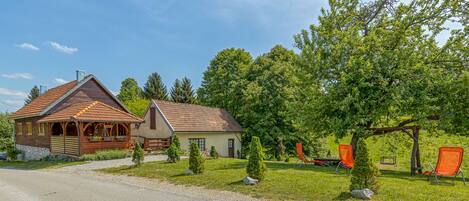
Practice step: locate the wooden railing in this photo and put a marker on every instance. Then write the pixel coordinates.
(64, 145)
(156, 144)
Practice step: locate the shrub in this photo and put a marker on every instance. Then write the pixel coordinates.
(105, 155)
(173, 153)
(196, 161)
(137, 155)
(364, 172)
(176, 142)
(12, 153)
(256, 167)
(213, 152)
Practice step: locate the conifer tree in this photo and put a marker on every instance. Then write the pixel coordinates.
(213, 152)
(364, 172)
(187, 91)
(256, 167)
(33, 94)
(137, 155)
(173, 153)
(196, 161)
(176, 92)
(154, 88)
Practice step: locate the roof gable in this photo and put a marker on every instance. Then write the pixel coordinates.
(56, 96)
(196, 118)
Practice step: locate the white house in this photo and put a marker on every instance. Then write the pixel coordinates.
(207, 126)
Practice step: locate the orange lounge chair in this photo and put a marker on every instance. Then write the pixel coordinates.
(449, 163)
(346, 157)
(301, 156)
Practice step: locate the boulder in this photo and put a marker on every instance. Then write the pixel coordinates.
(250, 181)
(188, 172)
(364, 194)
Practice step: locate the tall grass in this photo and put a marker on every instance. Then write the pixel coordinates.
(106, 155)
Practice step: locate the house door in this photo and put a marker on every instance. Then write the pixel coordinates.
(231, 148)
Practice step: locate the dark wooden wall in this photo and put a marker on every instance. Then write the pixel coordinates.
(90, 91)
(34, 139)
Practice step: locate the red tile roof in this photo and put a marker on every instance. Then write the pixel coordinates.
(196, 118)
(92, 111)
(42, 102)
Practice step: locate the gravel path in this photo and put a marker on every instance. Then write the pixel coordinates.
(80, 182)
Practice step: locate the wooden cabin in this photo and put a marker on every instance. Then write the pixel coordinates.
(76, 118)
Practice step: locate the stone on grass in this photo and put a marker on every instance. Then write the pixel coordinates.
(250, 181)
(364, 194)
(188, 172)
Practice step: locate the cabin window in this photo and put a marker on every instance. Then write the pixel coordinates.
(41, 130)
(199, 141)
(19, 128)
(71, 129)
(119, 130)
(152, 118)
(29, 128)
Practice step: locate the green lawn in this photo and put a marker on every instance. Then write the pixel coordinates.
(286, 181)
(35, 165)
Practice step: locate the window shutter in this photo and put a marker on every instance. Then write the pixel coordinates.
(152, 118)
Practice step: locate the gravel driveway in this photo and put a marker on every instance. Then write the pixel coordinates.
(77, 183)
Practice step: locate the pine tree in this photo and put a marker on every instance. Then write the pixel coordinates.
(256, 167)
(33, 94)
(129, 90)
(176, 92)
(154, 88)
(364, 172)
(187, 91)
(213, 152)
(173, 153)
(137, 155)
(196, 161)
(176, 142)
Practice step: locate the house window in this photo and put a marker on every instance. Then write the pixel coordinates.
(41, 130)
(29, 128)
(19, 128)
(199, 141)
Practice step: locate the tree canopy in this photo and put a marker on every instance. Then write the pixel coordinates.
(221, 84)
(154, 88)
(129, 90)
(33, 94)
(378, 64)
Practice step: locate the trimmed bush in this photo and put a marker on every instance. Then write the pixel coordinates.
(364, 172)
(196, 161)
(137, 155)
(176, 142)
(105, 155)
(213, 152)
(256, 167)
(12, 153)
(173, 153)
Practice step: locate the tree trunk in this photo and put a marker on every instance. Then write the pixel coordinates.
(415, 157)
(353, 142)
(417, 154)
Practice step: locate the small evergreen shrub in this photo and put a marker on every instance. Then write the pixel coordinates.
(173, 153)
(196, 161)
(256, 167)
(137, 155)
(12, 153)
(364, 172)
(176, 142)
(213, 152)
(105, 155)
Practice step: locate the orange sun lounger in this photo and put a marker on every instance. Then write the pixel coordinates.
(346, 157)
(301, 156)
(449, 164)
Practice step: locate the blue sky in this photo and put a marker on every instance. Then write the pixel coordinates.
(44, 42)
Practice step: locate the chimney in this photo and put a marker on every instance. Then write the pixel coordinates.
(80, 75)
(42, 89)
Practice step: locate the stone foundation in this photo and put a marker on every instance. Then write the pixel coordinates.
(32, 153)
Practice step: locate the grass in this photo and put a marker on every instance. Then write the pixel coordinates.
(286, 181)
(35, 165)
(106, 155)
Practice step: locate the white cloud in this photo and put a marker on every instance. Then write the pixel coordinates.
(63, 48)
(60, 80)
(12, 92)
(11, 105)
(27, 46)
(27, 76)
